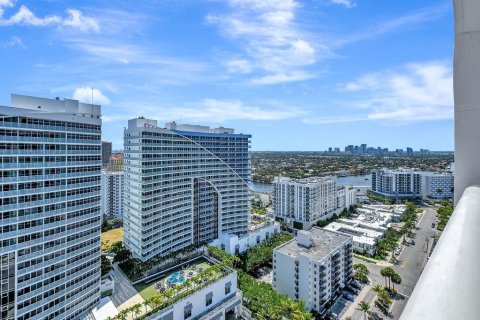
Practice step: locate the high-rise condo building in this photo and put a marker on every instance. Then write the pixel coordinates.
(303, 202)
(184, 185)
(50, 161)
(106, 152)
(411, 183)
(113, 190)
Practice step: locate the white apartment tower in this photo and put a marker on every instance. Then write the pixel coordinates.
(411, 183)
(184, 185)
(304, 200)
(313, 267)
(50, 161)
(113, 189)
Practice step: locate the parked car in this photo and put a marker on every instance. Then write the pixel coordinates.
(348, 296)
(433, 225)
(354, 283)
(412, 242)
(353, 290)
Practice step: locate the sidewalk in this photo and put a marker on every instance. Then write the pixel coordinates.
(351, 309)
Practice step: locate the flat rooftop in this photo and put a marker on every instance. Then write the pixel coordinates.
(359, 234)
(324, 242)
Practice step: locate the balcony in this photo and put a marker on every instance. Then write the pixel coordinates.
(448, 286)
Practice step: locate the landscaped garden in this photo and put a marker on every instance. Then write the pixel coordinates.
(172, 278)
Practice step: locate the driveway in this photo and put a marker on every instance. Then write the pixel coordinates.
(123, 290)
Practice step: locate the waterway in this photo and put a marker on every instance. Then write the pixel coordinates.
(363, 181)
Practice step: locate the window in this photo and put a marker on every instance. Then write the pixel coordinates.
(208, 299)
(227, 287)
(187, 311)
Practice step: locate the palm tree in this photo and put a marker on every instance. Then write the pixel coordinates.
(387, 273)
(365, 307)
(146, 304)
(136, 310)
(288, 309)
(122, 315)
(377, 288)
(384, 297)
(396, 279)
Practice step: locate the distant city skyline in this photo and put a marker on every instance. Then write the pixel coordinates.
(297, 75)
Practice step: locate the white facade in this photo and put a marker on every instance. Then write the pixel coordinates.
(410, 183)
(314, 267)
(364, 240)
(368, 226)
(346, 197)
(50, 162)
(235, 244)
(306, 201)
(212, 302)
(113, 190)
(183, 187)
(438, 185)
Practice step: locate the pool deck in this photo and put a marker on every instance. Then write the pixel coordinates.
(148, 290)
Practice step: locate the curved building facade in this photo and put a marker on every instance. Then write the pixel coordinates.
(184, 185)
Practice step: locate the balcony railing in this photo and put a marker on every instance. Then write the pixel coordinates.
(448, 286)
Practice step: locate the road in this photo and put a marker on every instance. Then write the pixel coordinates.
(410, 265)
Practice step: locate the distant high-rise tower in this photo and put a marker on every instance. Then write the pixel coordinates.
(50, 161)
(184, 185)
(106, 152)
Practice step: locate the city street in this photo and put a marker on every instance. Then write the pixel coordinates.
(410, 265)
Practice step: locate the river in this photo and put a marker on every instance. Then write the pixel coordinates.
(363, 181)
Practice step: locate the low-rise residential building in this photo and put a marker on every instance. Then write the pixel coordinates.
(368, 225)
(313, 267)
(364, 239)
(411, 184)
(301, 203)
(235, 244)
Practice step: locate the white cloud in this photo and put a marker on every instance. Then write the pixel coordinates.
(275, 47)
(24, 16)
(210, 110)
(394, 24)
(15, 42)
(415, 92)
(346, 3)
(5, 4)
(85, 94)
(78, 21)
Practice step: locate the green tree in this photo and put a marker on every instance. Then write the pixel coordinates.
(387, 272)
(361, 272)
(136, 310)
(396, 279)
(288, 309)
(105, 265)
(365, 307)
(377, 288)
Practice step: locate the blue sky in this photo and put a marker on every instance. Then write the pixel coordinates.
(297, 75)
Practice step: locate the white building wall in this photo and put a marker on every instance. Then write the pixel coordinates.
(234, 244)
(50, 166)
(113, 189)
(197, 301)
(300, 276)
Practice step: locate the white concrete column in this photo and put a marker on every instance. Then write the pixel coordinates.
(467, 94)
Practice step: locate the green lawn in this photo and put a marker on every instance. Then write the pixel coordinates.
(110, 237)
(147, 290)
